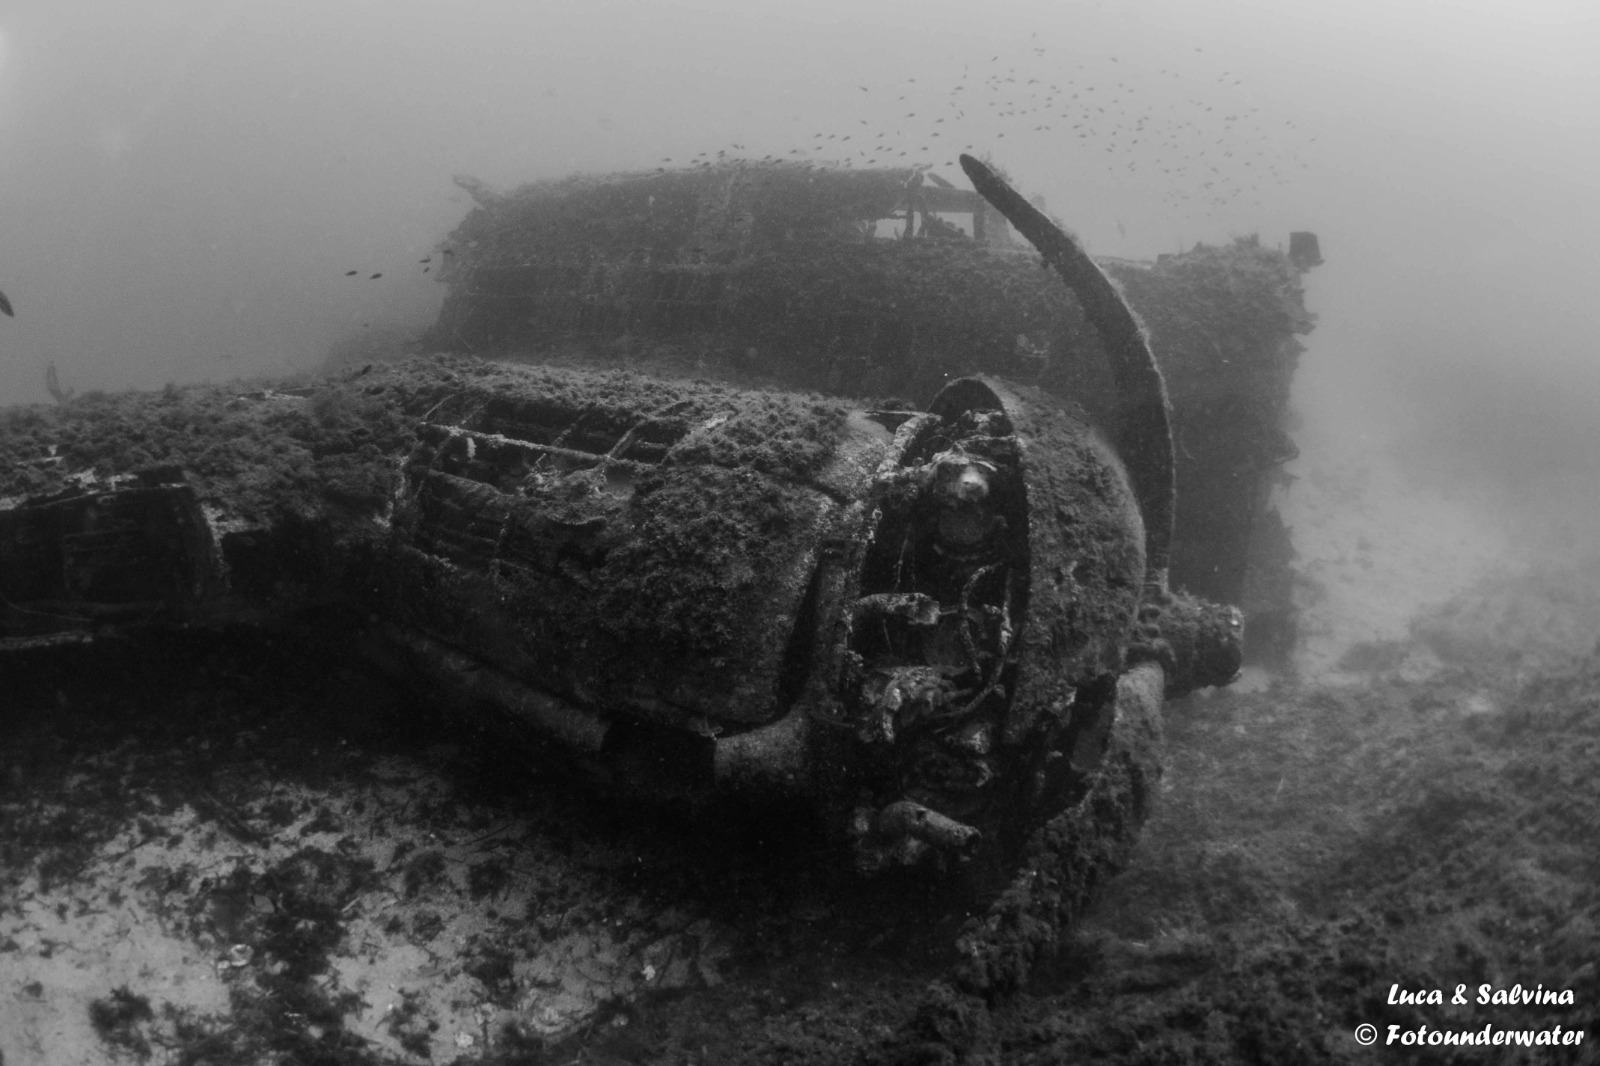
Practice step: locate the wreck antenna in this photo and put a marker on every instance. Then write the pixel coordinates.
(1144, 423)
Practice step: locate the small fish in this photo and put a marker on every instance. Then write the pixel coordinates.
(5, 305)
(426, 259)
(351, 273)
(375, 277)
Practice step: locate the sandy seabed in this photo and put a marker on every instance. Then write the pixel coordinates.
(230, 854)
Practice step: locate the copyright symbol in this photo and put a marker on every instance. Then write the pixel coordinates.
(1366, 1034)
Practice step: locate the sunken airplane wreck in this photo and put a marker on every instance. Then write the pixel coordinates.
(947, 631)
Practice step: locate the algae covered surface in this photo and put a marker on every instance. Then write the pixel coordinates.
(233, 845)
(257, 447)
(286, 861)
(1317, 845)
(667, 563)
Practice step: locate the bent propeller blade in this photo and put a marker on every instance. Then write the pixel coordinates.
(1144, 417)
